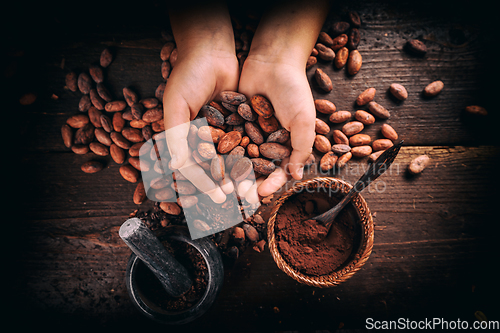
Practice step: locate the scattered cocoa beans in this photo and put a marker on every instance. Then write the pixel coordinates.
(325, 106)
(476, 110)
(389, 132)
(416, 47)
(323, 80)
(354, 62)
(328, 161)
(361, 151)
(340, 117)
(364, 117)
(366, 96)
(353, 127)
(433, 88)
(378, 110)
(92, 166)
(398, 91)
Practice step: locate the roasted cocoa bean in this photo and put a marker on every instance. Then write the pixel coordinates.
(254, 132)
(279, 136)
(322, 144)
(78, 120)
(99, 149)
(80, 149)
(476, 110)
(92, 166)
(84, 104)
(274, 151)
(418, 164)
(361, 151)
(106, 58)
(353, 127)
(139, 194)
(106, 123)
(354, 62)
(325, 106)
(378, 110)
(354, 19)
(84, 83)
(241, 169)
(233, 156)
(373, 156)
(67, 135)
(433, 88)
(262, 106)
(311, 61)
(96, 100)
(343, 159)
(206, 150)
(263, 166)
(149, 102)
(389, 132)
(84, 135)
(321, 127)
(96, 73)
(340, 116)
(339, 42)
(398, 91)
(152, 115)
(166, 50)
(102, 136)
(253, 150)
(325, 39)
(381, 144)
(234, 119)
(339, 28)
(328, 161)
(171, 208)
(340, 149)
(246, 112)
(166, 68)
(364, 117)
(416, 47)
(132, 134)
(268, 125)
(119, 140)
(360, 140)
(339, 137)
(232, 97)
(323, 80)
(130, 96)
(366, 96)
(115, 106)
(104, 92)
(137, 110)
(214, 116)
(129, 173)
(341, 57)
(228, 142)
(217, 168)
(71, 81)
(324, 52)
(139, 164)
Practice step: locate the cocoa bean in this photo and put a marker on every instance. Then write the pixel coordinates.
(262, 106)
(206, 150)
(166, 51)
(166, 68)
(99, 149)
(476, 110)
(263, 166)
(159, 91)
(260, 245)
(233, 156)
(250, 232)
(418, 164)
(96, 100)
(67, 135)
(102, 136)
(164, 194)
(360, 140)
(238, 235)
(340, 148)
(153, 115)
(366, 96)
(92, 166)
(173, 56)
(234, 119)
(341, 57)
(324, 106)
(139, 164)
(158, 126)
(149, 102)
(354, 62)
(96, 73)
(322, 144)
(274, 151)
(214, 116)
(139, 194)
(187, 201)
(254, 132)
(84, 83)
(229, 107)
(137, 110)
(147, 133)
(210, 134)
(328, 161)
(159, 183)
(361, 151)
(171, 208)
(433, 88)
(323, 80)
(115, 106)
(228, 142)
(129, 173)
(232, 97)
(364, 117)
(321, 127)
(339, 137)
(119, 140)
(343, 159)
(354, 19)
(217, 168)
(246, 112)
(95, 116)
(398, 91)
(324, 52)
(71, 81)
(80, 149)
(103, 92)
(339, 28)
(84, 104)
(118, 122)
(416, 47)
(130, 96)
(241, 169)
(106, 123)
(268, 125)
(139, 123)
(135, 149)
(325, 39)
(106, 58)
(311, 61)
(340, 116)
(245, 141)
(354, 38)
(389, 132)
(353, 127)
(84, 135)
(381, 144)
(78, 120)
(279, 136)
(378, 110)
(253, 150)
(339, 42)
(373, 156)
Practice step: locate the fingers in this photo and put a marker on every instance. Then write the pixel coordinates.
(275, 180)
(302, 139)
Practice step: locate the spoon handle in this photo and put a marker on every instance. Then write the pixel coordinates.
(375, 169)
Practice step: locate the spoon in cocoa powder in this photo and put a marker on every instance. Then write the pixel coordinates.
(375, 169)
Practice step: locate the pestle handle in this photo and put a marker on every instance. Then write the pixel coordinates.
(141, 240)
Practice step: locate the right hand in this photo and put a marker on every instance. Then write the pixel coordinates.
(199, 75)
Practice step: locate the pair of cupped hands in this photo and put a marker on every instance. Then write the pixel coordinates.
(275, 68)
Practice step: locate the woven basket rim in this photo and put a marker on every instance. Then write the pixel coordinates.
(360, 257)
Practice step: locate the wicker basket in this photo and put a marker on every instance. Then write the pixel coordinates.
(359, 257)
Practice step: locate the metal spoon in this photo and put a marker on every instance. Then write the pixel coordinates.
(374, 171)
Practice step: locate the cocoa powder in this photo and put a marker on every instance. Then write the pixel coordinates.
(302, 242)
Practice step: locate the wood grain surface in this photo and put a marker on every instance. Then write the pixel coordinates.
(436, 234)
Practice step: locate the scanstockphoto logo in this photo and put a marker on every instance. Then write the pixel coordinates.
(211, 201)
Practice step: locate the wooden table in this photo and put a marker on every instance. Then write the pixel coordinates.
(435, 235)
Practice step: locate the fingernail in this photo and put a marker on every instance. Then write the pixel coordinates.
(300, 172)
